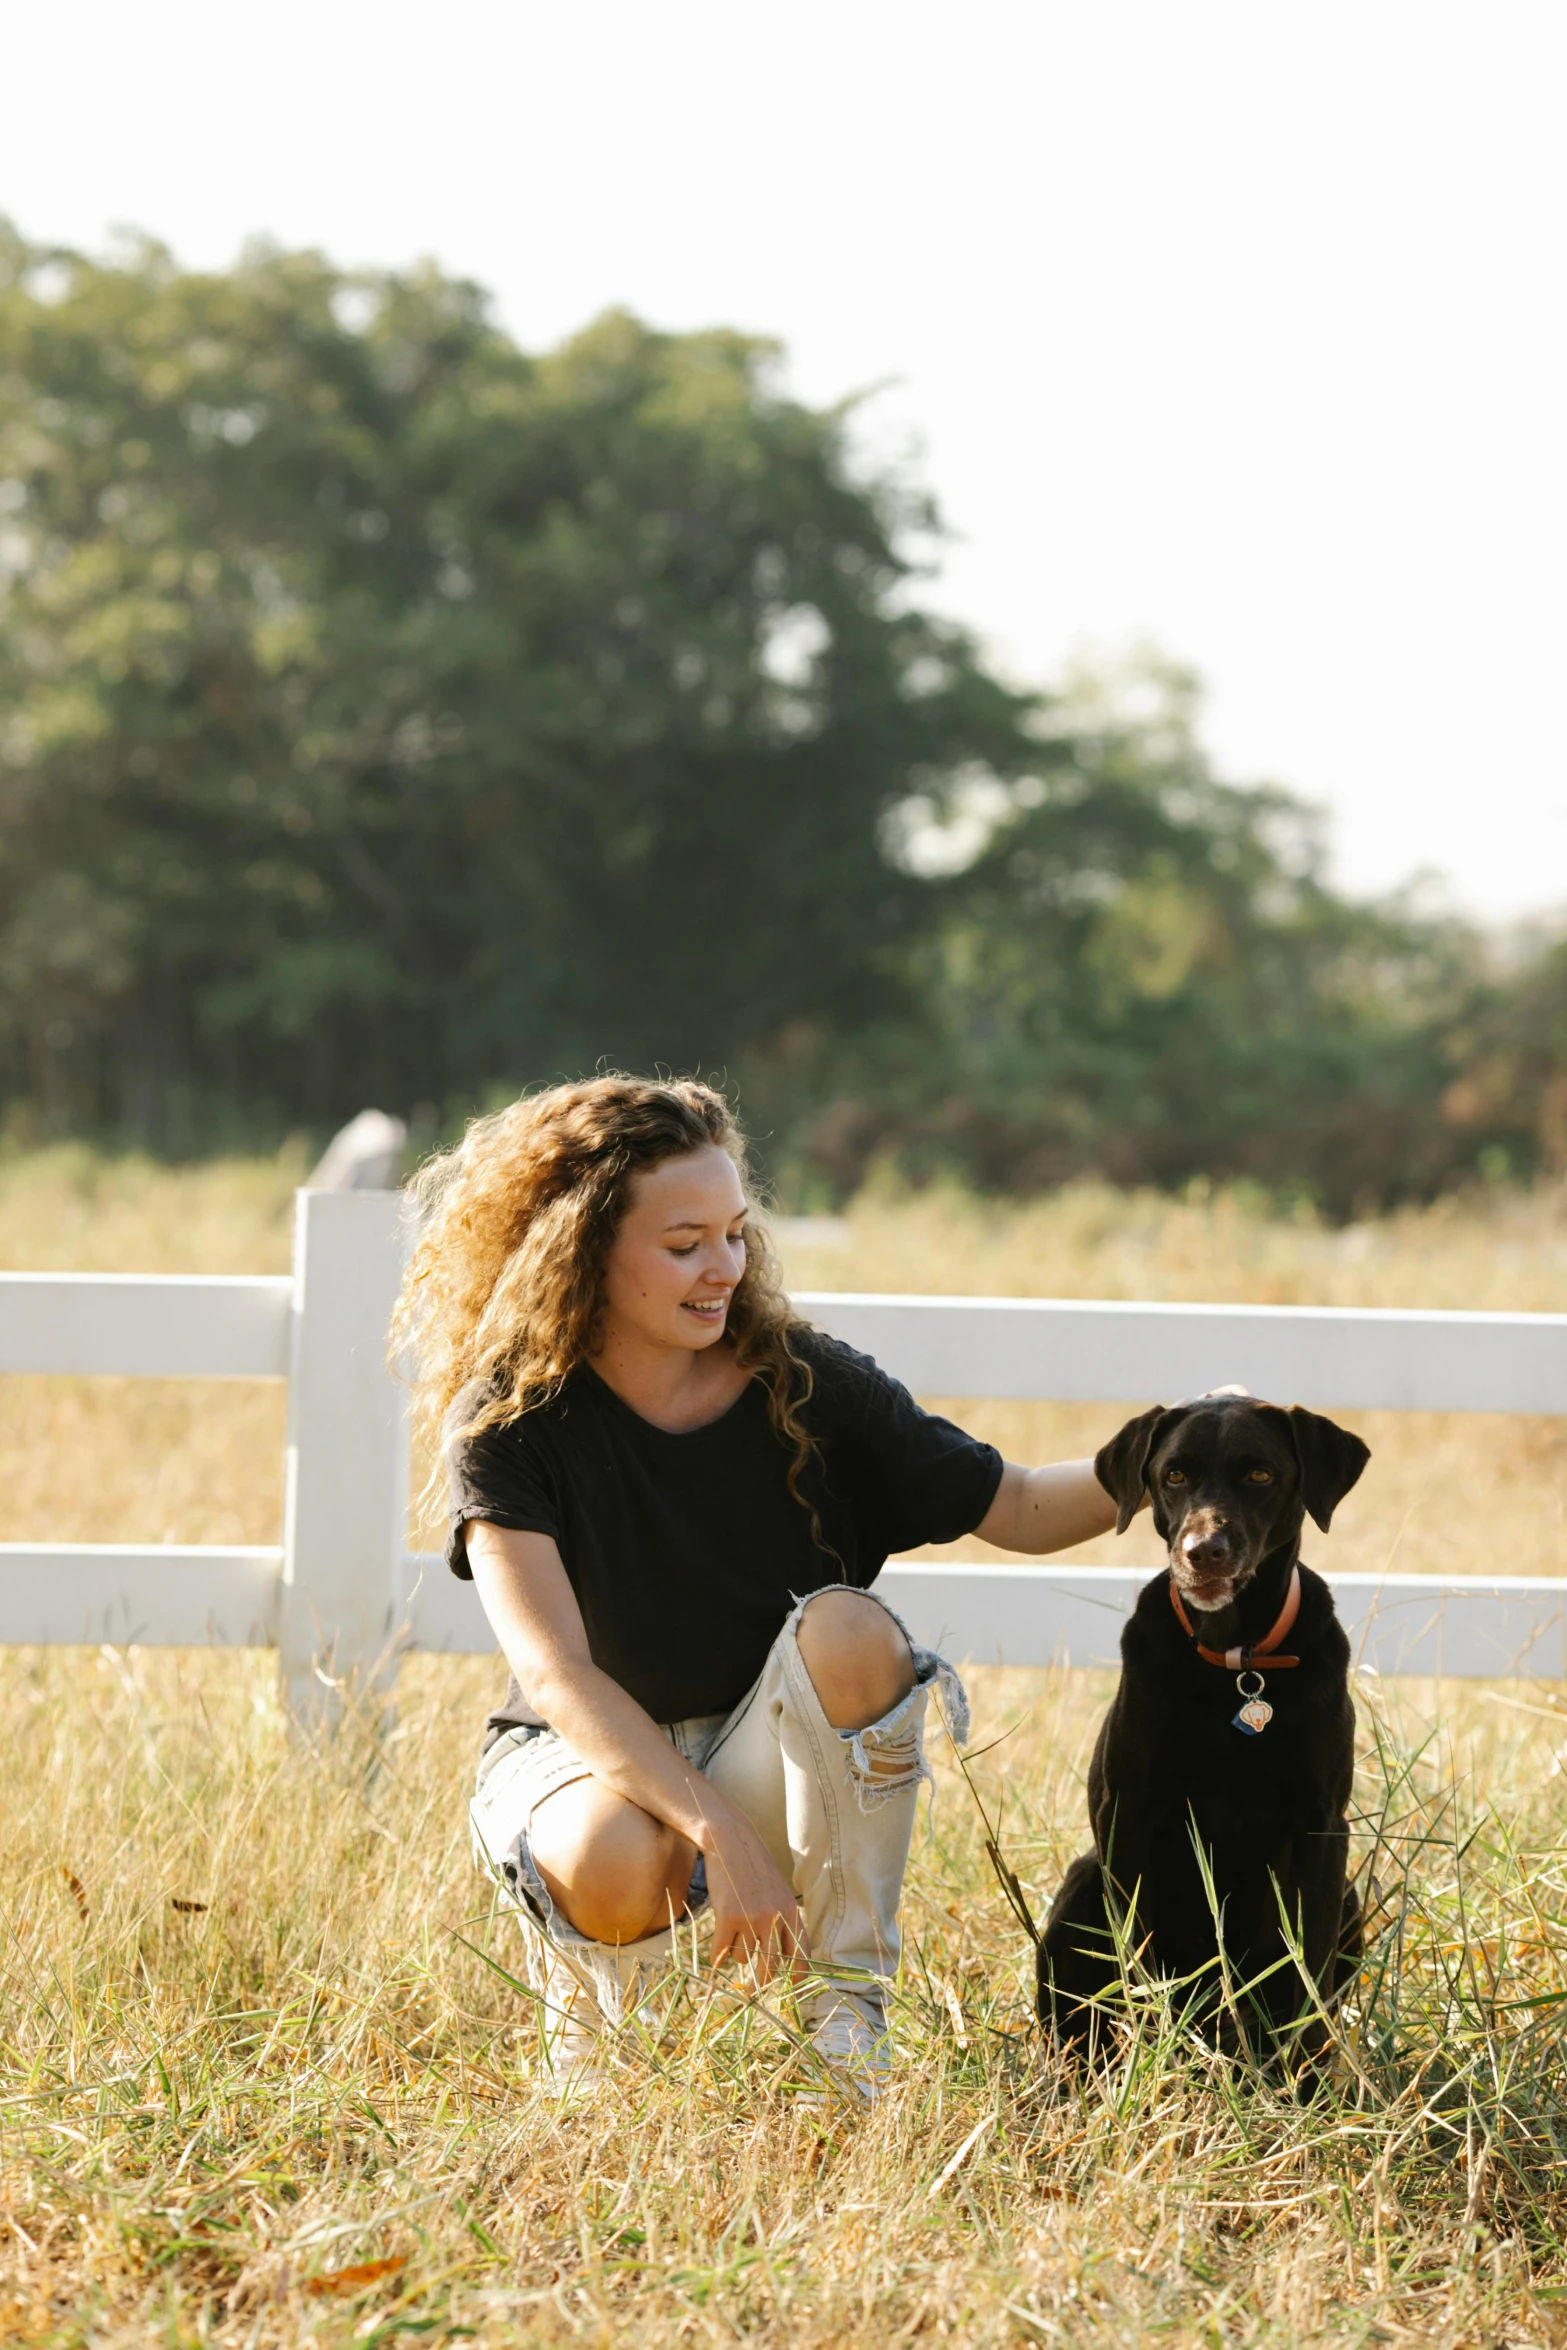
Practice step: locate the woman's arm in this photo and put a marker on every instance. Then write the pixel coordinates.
(1058, 1506)
(1051, 1508)
(535, 1617)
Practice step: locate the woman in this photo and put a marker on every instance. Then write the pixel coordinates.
(672, 1494)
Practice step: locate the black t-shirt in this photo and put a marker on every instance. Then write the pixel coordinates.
(687, 1552)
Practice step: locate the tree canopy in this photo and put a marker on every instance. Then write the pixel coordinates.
(1144, 972)
(387, 713)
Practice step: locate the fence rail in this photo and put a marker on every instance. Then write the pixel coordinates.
(1071, 1350)
(141, 1594)
(342, 1589)
(146, 1325)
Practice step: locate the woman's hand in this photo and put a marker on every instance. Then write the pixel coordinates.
(756, 1918)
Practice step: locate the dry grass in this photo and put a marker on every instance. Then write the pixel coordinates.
(261, 2087)
(261, 2083)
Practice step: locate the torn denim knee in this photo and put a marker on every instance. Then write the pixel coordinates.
(930, 1672)
(888, 1757)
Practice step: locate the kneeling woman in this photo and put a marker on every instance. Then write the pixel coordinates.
(672, 1495)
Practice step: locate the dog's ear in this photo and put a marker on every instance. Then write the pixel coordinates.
(1330, 1461)
(1119, 1465)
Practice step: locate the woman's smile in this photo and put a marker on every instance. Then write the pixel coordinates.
(708, 1309)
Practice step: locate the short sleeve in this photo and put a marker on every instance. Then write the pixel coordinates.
(499, 1476)
(924, 1478)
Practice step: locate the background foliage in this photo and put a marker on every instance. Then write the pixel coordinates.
(387, 714)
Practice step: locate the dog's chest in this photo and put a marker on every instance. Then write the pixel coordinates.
(1195, 1740)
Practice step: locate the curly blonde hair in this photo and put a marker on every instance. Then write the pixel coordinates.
(503, 1290)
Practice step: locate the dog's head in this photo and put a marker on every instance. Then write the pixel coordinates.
(1229, 1479)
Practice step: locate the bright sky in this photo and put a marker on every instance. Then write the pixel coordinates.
(1228, 323)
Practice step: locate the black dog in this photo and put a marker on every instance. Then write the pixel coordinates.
(1193, 1754)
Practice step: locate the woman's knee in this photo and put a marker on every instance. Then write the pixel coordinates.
(610, 1868)
(856, 1654)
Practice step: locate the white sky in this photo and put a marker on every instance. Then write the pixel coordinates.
(1234, 324)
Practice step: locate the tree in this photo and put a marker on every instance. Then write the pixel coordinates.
(388, 714)
(391, 714)
(1506, 1100)
(1139, 971)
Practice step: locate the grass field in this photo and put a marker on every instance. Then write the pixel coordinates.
(261, 2082)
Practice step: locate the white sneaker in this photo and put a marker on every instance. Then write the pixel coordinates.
(566, 2021)
(573, 2026)
(848, 2030)
(587, 1992)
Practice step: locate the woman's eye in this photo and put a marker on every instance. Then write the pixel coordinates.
(1175, 1476)
(1259, 1476)
(688, 1251)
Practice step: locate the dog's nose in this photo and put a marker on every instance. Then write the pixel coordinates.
(1207, 1550)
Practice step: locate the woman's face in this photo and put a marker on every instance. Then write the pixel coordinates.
(679, 1254)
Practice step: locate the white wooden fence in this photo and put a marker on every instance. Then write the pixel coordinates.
(343, 1593)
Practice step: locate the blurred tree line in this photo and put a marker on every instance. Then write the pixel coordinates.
(388, 714)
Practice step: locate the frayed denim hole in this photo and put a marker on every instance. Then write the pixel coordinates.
(900, 1752)
(933, 1672)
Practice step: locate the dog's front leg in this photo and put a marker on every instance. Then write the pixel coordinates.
(1320, 1910)
(1321, 1867)
(1123, 1807)
(1076, 1961)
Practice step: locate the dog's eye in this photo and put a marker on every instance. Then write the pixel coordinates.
(1259, 1476)
(1175, 1476)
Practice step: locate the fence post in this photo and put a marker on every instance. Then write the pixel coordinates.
(344, 1515)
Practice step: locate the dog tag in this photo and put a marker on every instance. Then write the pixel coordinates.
(1255, 1713)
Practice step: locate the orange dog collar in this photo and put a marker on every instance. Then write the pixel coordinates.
(1239, 1660)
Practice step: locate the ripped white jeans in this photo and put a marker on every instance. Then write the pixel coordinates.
(835, 1808)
